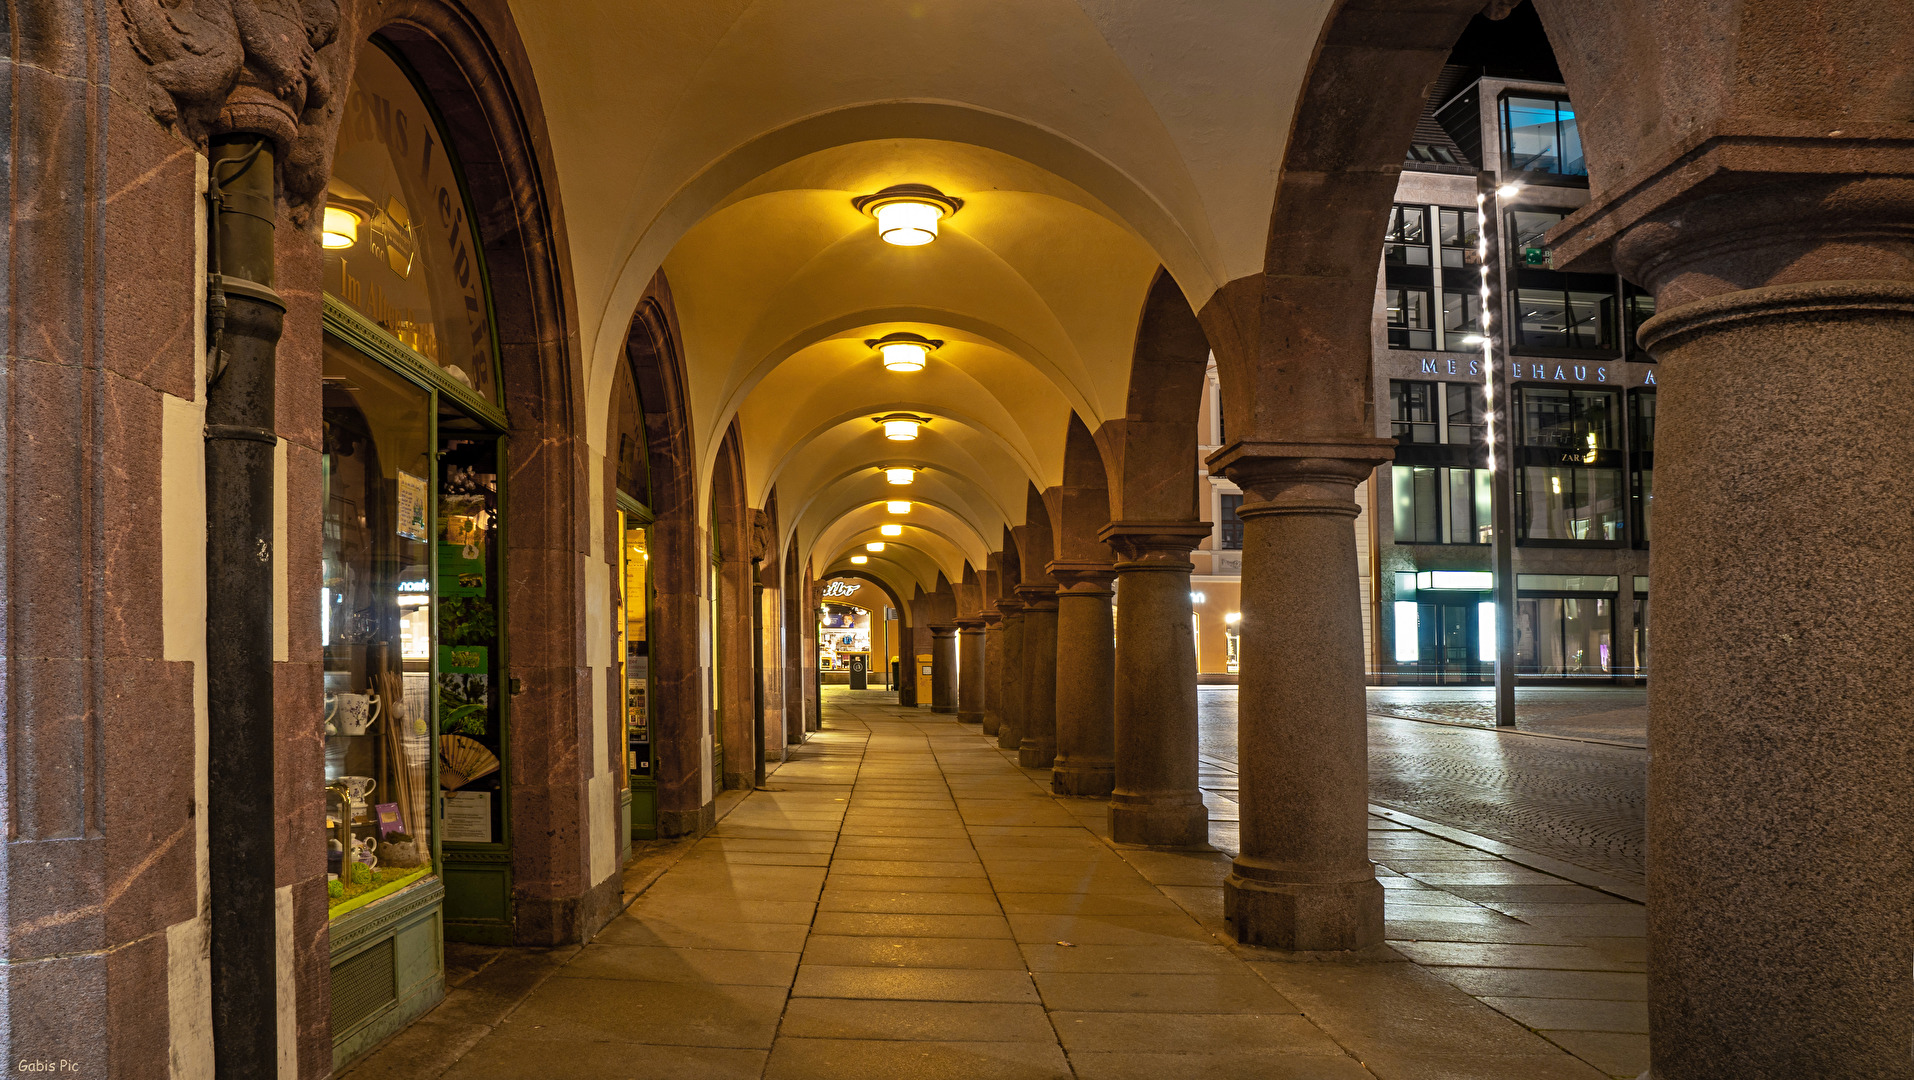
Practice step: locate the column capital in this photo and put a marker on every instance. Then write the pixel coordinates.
(943, 631)
(1301, 477)
(992, 618)
(1038, 597)
(970, 626)
(1082, 578)
(1154, 545)
(1010, 607)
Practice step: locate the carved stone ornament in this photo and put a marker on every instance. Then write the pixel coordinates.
(263, 66)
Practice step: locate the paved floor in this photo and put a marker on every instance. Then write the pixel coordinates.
(906, 902)
(1581, 802)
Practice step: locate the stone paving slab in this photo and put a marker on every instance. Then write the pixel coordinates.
(936, 912)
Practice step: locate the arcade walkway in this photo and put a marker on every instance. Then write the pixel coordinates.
(905, 902)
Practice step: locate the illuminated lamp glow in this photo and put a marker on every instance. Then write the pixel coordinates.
(1485, 630)
(339, 228)
(1233, 618)
(900, 476)
(891, 530)
(908, 224)
(860, 559)
(908, 214)
(875, 545)
(898, 506)
(904, 356)
(901, 427)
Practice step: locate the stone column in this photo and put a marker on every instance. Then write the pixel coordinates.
(1303, 881)
(1156, 800)
(970, 671)
(1037, 744)
(1086, 681)
(943, 669)
(993, 673)
(1010, 730)
(1780, 857)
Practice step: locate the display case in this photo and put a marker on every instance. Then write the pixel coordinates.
(375, 629)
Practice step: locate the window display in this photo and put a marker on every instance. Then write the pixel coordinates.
(635, 599)
(844, 631)
(471, 736)
(375, 628)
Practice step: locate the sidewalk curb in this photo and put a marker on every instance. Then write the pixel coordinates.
(1507, 731)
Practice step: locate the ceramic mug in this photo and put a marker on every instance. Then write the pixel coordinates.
(362, 852)
(358, 788)
(332, 709)
(355, 712)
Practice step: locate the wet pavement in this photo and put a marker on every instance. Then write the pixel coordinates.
(1577, 801)
(1609, 713)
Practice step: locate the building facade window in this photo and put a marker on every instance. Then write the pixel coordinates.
(1411, 325)
(1232, 526)
(1641, 461)
(1540, 135)
(1407, 242)
(1637, 308)
(1412, 411)
(1439, 505)
(1564, 320)
(1568, 486)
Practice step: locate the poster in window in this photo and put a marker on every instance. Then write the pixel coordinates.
(459, 575)
(411, 516)
(468, 817)
(464, 660)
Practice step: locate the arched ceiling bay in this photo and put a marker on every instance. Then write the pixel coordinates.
(1171, 116)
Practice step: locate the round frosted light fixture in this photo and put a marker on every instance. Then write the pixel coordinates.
(901, 427)
(860, 560)
(891, 530)
(1508, 191)
(339, 228)
(904, 351)
(907, 214)
(900, 476)
(1233, 618)
(875, 545)
(898, 506)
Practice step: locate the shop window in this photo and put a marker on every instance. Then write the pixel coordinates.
(470, 720)
(1441, 505)
(1641, 461)
(1569, 486)
(1232, 526)
(375, 628)
(1540, 135)
(1410, 323)
(1565, 635)
(400, 248)
(1412, 411)
(1407, 242)
(1459, 232)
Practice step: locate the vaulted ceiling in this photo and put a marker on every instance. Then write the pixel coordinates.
(1091, 141)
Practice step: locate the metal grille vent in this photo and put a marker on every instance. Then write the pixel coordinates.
(363, 985)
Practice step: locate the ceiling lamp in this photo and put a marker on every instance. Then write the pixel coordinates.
(902, 426)
(898, 506)
(907, 214)
(904, 351)
(860, 560)
(900, 475)
(339, 228)
(875, 545)
(891, 530)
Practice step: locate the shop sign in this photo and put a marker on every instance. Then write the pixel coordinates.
(841, 588)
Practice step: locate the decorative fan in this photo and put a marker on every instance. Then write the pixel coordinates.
(463, 760)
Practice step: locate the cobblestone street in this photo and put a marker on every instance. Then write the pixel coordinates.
(1577, 801)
